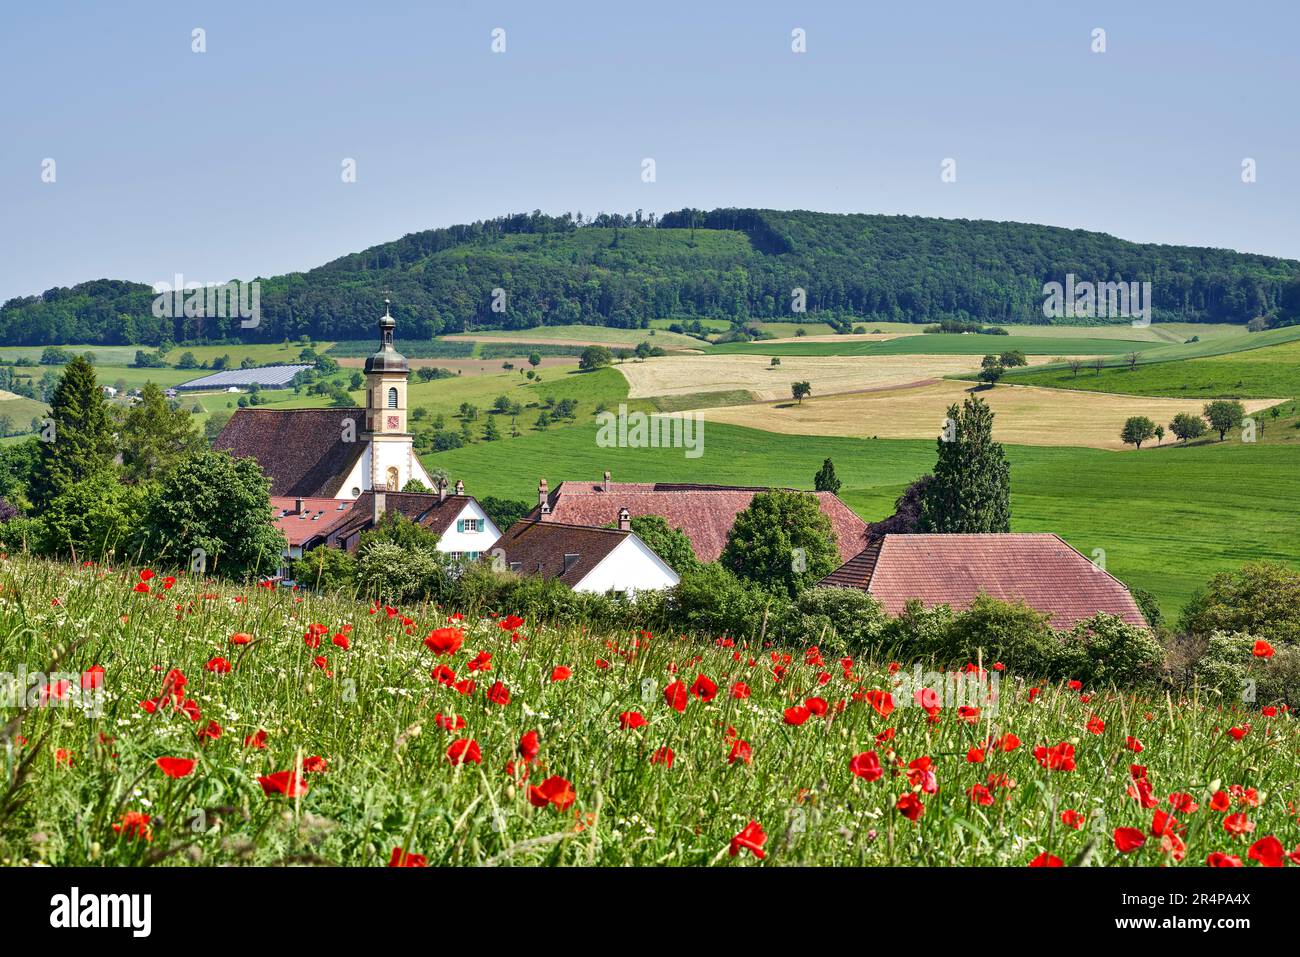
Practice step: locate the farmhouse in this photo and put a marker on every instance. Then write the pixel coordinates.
(1039, 569)
(336, 453)
(587, 559)
(705, 513)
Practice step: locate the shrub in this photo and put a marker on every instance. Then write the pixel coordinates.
(93, 518)
(1262, 598)
(844, 619)
(712, 601)
(992, 630)
(326, 569)
(1230, 668)
(1107, 650)
(392, 574)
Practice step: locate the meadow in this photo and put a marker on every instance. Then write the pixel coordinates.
(1165, 521)
(193, 723)
(1269, 371)
(940, 345)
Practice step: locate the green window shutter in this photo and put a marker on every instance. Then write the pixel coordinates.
(460, 525)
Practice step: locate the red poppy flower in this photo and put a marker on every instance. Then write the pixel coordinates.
(1220, 801)
(1219, 859)
(1262, 649)
(740, 751)
(979, 794)
(1046, 860)
(866, 766)
(910, 806)
(528, 745)
(632, 719)
(465, 686)
(92, 678)
(1059, 757)
(443, 675)
(663, 756)
(1133, 744)
(704, 688)
(288, 783)
(677, 695)
(561, 673)
(510, 623)
(341, 641)
(444, 641)
(1072, 819)
(315, 765)
(211, 731)
(482, 662)
(401, 858)
(1268, 851)
(1183, 803)
(1096, 725)
(816, 706)
(499, 694)
(146, 574)
(1128, 839)
(240, 638)
(740, 690)
(134, 824)
(882, 702)
(797, 715)
(1238, 733)
(462, 750)
(1238, 824)
(554, 790)
(175, 767)
(449, 722)
(751, 839)
(256, 740)
(218, 666)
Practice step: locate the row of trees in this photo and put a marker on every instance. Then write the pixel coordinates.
(1221, 415)
(732, 264)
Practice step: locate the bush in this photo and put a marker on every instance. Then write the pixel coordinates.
(93, 518)
(844, 619)
(326, 569)
(1262, 598)
(21, 534)
(1229, 668)
(712, 601)
(992, 630)
(391, 574)
(1107, 650)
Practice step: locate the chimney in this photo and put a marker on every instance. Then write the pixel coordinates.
(543, 503)
(442, 489)
(624, 519)
(460, 487)
(380, 506)
(297, 505)
(607, 480)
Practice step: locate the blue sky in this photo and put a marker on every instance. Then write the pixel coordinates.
(227, 164)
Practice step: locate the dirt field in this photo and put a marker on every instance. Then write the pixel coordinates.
(1024, 415)
(682, 375)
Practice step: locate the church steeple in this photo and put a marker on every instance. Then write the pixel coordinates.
(387, 359)
(386, 380)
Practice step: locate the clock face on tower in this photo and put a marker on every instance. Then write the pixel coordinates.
(392, 422)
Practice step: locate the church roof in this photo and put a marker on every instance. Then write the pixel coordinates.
(302, 451)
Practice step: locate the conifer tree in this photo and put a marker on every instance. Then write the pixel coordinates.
(971, 491)
(80, 442)
(826, 479)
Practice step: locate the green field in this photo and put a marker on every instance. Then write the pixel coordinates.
(1167, 520)
(606, 335)
(940, 345)
(1262, 373)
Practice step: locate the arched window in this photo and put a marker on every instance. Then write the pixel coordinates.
(392, 398)
(393, 479)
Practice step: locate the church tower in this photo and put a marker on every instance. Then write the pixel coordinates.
(392, 456)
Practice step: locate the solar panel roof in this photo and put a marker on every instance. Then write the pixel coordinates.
(267, 376)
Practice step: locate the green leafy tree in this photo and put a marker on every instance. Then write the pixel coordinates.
(991, 370)
(1187, 426)
(1225, 414)
(93, 519)
(1262, 598)
(215, 422)
(782, 541)
(153, 436)
(81, 443)
(595, 357)
(670, 544)
(826, 480)
(1137, 429)
(800, 390)
(504, 512)
(326, 569)
(971, 490)
(219, 505)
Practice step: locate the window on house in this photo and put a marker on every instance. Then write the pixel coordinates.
(392, 398)
(471, 526)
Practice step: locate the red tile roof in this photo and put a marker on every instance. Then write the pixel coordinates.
(704, 512)
(1039, 569)
(317, 517)
(423, 508)
(540, 548)
(301, 451)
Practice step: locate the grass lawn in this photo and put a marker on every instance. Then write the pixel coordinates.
(940, 344)
(603, 335)
(1268, 372)
(1167, 520)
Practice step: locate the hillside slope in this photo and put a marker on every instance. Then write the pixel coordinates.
(731, 264)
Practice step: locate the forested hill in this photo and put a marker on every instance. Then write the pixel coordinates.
(729, 263)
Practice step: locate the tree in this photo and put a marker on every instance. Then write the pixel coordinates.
(415, 485)
(534, 359)
(594, 357)
(1137, 429)
(1187, 426)
(215, 422)
(325, 569)
(1013, 358)
(1261, 598)
(782, 541)
(153, 436)
(490, 431)
(1224, 414)
(1099, 363)
(991, 370)
(1075, 365)
(93, 519)
(504, 512)
(800, 390)
(776, 361)
(1132, 360)
(971, 490)
(670, 544)
(81, 444)
(1160, 434)
(219, 506)
(825, 480)
(187, 361)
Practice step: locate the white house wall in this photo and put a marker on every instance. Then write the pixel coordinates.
(632, 566)
(465, 542)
